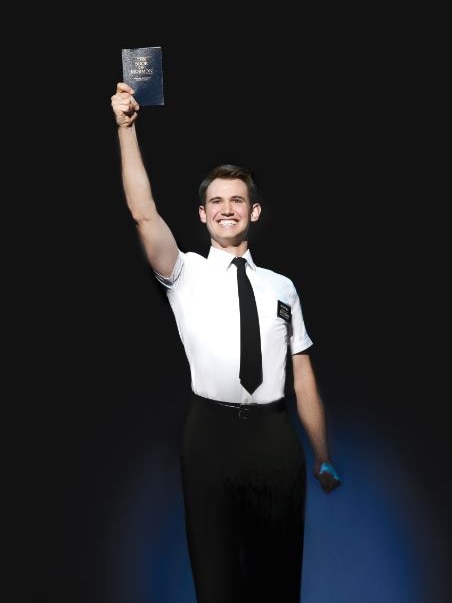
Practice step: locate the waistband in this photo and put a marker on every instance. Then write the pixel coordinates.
(246, 409)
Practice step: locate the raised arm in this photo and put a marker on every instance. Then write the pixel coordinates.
(158, 241)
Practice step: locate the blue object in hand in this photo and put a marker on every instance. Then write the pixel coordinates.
(328, 468)
(328, 477)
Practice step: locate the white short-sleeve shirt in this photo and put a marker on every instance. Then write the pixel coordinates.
(203, 295)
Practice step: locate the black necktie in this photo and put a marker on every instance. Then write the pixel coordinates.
(250, 338)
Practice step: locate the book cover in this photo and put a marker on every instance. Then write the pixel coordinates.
(143, 70)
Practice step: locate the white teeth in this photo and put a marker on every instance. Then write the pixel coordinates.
(227, 222)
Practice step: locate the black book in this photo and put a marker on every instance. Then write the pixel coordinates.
(143, 71)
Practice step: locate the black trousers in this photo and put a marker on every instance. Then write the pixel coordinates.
(244, 484)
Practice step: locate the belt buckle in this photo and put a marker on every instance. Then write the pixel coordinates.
(242, 412)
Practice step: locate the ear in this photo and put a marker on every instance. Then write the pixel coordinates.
(255, 212)
(202, 214)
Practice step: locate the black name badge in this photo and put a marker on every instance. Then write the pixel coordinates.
(284, 311)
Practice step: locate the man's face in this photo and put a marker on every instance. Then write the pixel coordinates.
(227, 212)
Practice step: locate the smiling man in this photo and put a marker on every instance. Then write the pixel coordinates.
(227, 209)
(242, 464)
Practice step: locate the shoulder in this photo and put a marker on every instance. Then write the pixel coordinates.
(192, 261)
(192, 257)
(275, 277)
(281, 285)
(186, 264)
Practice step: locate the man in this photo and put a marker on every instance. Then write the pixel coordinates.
(243, 466)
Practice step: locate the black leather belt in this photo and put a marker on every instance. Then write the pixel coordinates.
(247, 410)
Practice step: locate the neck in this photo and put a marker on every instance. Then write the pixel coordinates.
(237, 250)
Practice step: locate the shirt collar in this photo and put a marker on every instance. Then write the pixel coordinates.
(223, 259)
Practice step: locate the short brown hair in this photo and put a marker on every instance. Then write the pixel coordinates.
(228, 171)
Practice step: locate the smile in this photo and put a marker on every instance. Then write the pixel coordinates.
(227, 223)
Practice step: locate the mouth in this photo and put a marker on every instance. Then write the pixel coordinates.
(227, 223)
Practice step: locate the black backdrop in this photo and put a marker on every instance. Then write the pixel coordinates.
(333, 120)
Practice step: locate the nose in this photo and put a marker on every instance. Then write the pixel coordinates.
(227, 208)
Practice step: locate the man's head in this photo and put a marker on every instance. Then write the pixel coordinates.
(229, 172)
(228, 196)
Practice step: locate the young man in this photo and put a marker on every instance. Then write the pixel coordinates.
(243, 466)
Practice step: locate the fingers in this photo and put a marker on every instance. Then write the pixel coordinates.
(122, 87)
(328, 482)
(327, 475)
(124, 104)
(124, 99)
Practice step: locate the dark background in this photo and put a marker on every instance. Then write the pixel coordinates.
(338, 119)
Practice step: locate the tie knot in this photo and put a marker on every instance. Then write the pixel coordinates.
(240, 263)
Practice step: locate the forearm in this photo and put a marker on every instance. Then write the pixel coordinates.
(135, 180)
(311, 412)
(310, 407)
(312, 416)
(158, 241)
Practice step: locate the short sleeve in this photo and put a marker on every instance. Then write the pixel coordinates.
(169, 282)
